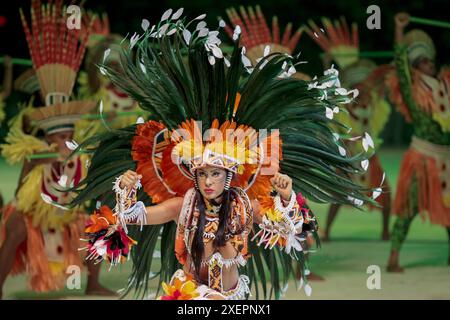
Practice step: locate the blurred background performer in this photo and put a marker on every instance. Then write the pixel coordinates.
(39, 235)
(421, 94)
(369, 113)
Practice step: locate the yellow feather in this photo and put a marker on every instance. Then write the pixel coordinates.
(19, 146)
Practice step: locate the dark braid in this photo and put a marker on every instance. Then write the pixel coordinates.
(198, 247)
(224, 212)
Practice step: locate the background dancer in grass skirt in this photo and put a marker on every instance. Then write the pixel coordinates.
(421, 94)
(38, 236)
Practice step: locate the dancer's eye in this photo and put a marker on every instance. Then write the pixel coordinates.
(201, 174)
(215, 174)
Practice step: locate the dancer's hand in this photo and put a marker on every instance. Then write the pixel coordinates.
(129, 179)
(401, 20)
(282, 184)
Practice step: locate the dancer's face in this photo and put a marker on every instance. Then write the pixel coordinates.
(60, 138)
(211, 182)
(427, 66)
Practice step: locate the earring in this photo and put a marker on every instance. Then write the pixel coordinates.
(228, 180)
(195, 182)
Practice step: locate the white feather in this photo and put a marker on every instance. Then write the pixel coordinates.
(245, 61)
(329, 113)
(145, 24)
(171, 32)
(382, 179)
(236, 33)
(203, 32)
(166, 15)
(365, 144)
(177, 14)
(353, 138)
(200, 17)
(341, 91)
(291, 71)
(71, 145)
(369, 140)
(365, 164)
(186, 36)
(163, 30)
(201, 25)
(217, 52)
(106, 54)
(376, 193)
(308, 290)
(355, 93)
(134, 39)
(140, 120)
(142, 67)
(299, 284)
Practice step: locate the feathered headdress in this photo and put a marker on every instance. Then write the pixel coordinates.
(56, 52)
(336, 38)
(259, 40)
(419, 45)
(200, 107)
(256, 34)
(96, 27)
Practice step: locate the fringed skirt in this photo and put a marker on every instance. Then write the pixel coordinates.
(45, 255)
(427, 167)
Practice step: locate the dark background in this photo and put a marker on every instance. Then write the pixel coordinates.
(126, 16)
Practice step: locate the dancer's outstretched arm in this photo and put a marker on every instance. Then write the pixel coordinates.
(158, 214)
